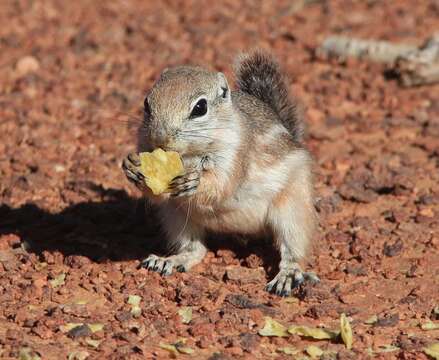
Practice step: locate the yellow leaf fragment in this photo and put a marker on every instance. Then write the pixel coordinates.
(81, 297)
(159, 168)
(171, 348)
(432, 350)
(387, 348)
(372, 320)
(58, 281)
(27, 354)
(179, 345)
(81, 302)
(78, 355)
(288, 350)
(95, 327)
(315, 333)
(346, 331)
(314, 351)
(186, 314)
(184, 349)
(69, 326)
(429, 325)
(134, 301)
(136, 311)
(93, 343)
(273, 328)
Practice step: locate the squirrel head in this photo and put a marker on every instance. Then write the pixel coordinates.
(185, 111)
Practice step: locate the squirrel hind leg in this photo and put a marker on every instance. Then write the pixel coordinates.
(290, 275)
(292, 219)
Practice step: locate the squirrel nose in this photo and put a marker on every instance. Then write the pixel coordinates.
(160, 138)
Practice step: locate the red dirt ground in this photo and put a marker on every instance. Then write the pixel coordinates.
(67, 209)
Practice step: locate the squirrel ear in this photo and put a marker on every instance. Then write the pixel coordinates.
(163, 72)
(223, 89)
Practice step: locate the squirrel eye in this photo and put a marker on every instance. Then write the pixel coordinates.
(146, 107)
(199, 109)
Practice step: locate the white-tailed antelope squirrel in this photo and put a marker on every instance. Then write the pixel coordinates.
(247, 170)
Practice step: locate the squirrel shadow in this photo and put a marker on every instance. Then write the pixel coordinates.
(118, 228)
(111, 229)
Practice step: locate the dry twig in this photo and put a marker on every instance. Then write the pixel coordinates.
(413, 65)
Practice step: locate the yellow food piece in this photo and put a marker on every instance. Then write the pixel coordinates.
(159, 168)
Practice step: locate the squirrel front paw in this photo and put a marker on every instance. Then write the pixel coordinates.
(131, 167)
(185, 185)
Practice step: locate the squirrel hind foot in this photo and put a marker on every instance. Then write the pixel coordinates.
(287, 280)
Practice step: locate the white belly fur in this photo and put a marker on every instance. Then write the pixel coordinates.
(246, 211)
(244, 218)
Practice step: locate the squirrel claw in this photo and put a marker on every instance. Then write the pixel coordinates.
(161, 265)
(185, 185)
(180, 268)
(287, 280)
(130, 166)
(134, 158)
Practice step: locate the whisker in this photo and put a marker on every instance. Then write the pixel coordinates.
(187, 217)
(188, 137)
(195, 133)
(208, 128)
(196, 137)
(130, 122)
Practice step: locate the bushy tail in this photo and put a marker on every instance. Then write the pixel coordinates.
(259, 74)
